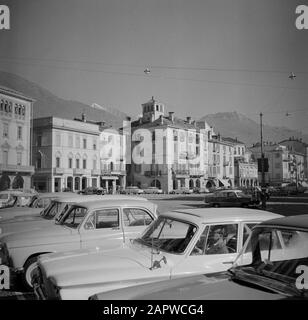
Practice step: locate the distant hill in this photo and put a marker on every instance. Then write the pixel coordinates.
(48, 104)
(237, 125)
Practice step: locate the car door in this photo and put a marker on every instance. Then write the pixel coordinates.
(203, 259)
(102, 228)
(134, 221)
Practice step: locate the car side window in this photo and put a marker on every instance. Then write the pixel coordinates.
(106, 218)
(136, 217)
(231, 195)
(217, 239)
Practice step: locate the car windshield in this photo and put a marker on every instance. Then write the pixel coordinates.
(51, 211)
(168, 235)
(74, 217)
(273, 258)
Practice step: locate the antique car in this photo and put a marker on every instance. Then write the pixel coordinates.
(37, 204)
(236, 198)
(152, 190)
(177, 244)
(272, 265)
(133, 190)
(107, 222)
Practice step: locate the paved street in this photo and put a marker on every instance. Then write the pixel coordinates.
(284, 205)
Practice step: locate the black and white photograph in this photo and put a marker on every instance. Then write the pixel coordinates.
(154, 155)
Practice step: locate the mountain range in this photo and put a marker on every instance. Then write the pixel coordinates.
(228, 124)
(47, 104)
(237, 125)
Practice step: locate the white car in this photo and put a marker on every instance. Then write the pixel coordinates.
(152, 190)
(177, 244)
(75, 227)
(38, 203)
(271, 266)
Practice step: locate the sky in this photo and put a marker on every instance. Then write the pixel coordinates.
(204, 56)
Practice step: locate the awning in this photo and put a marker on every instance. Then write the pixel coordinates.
(224, 183)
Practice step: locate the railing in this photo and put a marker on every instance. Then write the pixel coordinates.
(58, 170)
(152, 173)
(16, 168)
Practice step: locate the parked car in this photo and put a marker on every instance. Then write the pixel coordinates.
(230, 198)
(107, 222)
(200, 190)
(269, 267)
(182, 190)
(292, 188)
(133, 190)
(177, 244)
(92, 190)
(21, 199)
(37, 204)
(151, 190)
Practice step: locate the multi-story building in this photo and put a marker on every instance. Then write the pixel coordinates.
(168, 152)
(15, 139)
(221, 162)
(112, 146)
(66, 154)
(298, 154)
(278, 162)
(245, 168)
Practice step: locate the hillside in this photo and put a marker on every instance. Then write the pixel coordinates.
(236, 125)
(48, 104)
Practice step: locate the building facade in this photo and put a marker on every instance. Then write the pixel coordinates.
(175, 153)
(298, 153)
(15, 139)
(66, 154)
(278, 162)
(245, 168)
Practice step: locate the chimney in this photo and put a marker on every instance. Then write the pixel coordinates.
(161, 119)
(188, 119)
(83, 117)
(171, 116)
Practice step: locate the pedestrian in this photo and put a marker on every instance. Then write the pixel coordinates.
(263, 198)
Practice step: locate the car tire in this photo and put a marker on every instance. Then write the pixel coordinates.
(29, 266)
(216, 205)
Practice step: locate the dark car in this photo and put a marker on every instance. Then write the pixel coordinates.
(272, 265)
(229, 197)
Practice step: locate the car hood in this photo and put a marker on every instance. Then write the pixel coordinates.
(203, 287)
(52, 233)
(18, 212)
(94, 266)
(22, 224)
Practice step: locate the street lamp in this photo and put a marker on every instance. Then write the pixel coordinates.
(262, 153)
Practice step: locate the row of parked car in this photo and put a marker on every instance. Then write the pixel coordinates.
(121, 247)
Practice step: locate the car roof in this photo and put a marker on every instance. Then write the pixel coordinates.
(98, 198)
(56, 195)
(229, 190)
(299, 221)
(220, 215)
(92, 205)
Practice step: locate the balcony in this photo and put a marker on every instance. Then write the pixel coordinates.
(16, 168)
(152, 173)
(58, 170)
(78, 172)
(196, 172)
(95, 172)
